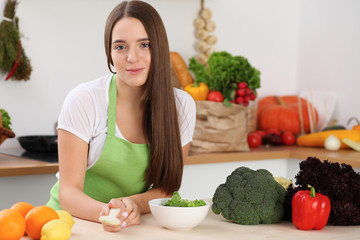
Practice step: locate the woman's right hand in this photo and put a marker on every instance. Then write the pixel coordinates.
(129, 214)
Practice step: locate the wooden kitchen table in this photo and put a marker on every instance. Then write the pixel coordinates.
(213, 227)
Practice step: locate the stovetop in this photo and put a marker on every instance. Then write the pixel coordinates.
(40, 156)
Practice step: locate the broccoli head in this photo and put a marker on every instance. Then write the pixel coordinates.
(250, 197)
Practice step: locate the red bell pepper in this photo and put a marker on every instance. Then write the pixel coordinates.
(310, 210)
(16, 63)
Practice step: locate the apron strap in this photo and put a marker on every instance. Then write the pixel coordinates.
(112, 107)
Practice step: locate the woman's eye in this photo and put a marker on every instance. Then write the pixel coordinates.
(120, 47)
(145, 45)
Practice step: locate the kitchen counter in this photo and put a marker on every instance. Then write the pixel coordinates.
(20, 166)
(213, 227)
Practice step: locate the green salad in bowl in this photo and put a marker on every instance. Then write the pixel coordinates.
(179, 214)
(177, 201)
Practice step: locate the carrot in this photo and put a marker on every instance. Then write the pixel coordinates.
(318, 139)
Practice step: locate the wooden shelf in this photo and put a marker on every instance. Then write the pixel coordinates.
(282, 152)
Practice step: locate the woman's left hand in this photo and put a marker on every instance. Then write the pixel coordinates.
(129, 213)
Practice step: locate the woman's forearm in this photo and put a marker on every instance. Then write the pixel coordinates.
(80, 205)
(142, 199)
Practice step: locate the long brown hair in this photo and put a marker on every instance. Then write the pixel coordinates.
(160, 120)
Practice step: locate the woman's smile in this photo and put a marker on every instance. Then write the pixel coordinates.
(135, 71)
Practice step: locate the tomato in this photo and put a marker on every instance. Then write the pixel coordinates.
(261, 133)
(254, 140)
(215, 96)
(288, 138)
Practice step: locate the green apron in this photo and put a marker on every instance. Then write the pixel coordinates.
(120, 170)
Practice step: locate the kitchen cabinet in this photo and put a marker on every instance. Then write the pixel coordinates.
(23, 179)
(34, 189)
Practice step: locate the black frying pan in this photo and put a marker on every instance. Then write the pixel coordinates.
(39, 143)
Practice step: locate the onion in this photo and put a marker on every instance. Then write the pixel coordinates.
(332, 143)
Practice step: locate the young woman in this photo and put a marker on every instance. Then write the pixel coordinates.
(123, 137)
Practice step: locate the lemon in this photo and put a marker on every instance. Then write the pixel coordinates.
(56, 229)
(66, 216)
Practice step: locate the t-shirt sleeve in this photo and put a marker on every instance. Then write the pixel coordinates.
(78, 114)
(186, 114)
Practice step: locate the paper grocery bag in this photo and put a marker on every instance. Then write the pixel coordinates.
(219, 128)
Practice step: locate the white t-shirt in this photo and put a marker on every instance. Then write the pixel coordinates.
(84, 114)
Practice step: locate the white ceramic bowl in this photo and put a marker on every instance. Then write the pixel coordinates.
(177, 218)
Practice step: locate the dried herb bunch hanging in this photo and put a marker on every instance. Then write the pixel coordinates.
(13, 60)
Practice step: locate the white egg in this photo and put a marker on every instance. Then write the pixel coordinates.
(332, 143)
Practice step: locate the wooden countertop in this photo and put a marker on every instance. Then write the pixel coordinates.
(19, 166)
(348, 156)
(213, 227)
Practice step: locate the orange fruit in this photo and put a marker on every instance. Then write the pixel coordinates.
(36, 218)
(12, 225)
(22, 207)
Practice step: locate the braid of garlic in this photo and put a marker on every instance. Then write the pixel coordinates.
(204, 26)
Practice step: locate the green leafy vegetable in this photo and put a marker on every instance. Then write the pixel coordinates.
(177, 201)
(6, 119)
(200, 72)
(250, 197)
(224, 71)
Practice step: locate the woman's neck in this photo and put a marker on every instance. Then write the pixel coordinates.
(130, 97)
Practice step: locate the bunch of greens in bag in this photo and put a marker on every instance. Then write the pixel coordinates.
(224, 72)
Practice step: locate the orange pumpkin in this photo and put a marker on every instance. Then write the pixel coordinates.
(282, 113)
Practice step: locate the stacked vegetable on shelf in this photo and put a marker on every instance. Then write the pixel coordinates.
(288, 120)
(229, 79)
(224, 78)
(286, 113)
(271, 137)
(333, 139)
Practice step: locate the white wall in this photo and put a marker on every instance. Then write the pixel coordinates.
(329, 52)
(64, 40)
(214, 174)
